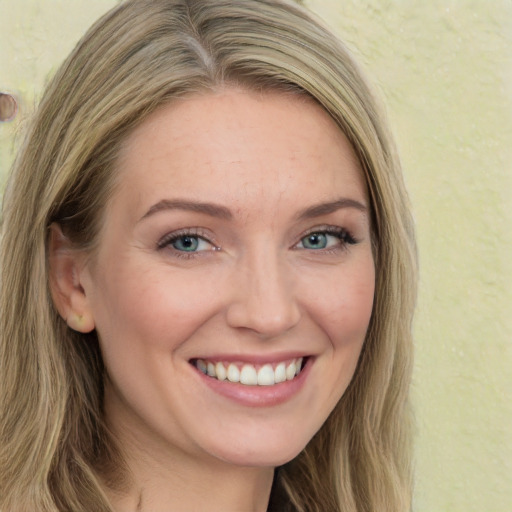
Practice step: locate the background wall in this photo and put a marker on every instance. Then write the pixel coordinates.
(444, 69)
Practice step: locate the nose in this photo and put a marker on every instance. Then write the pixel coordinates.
(264, 299)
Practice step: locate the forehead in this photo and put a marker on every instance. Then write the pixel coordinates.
(239, 147)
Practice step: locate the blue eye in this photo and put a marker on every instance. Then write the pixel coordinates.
(189, 243)
(315, 241)
(329, 238)
(186, 243)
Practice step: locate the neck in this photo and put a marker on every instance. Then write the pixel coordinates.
(219, 491)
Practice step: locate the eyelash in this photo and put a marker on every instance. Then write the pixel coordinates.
(343, 235)
(345, 238)
(169, 239)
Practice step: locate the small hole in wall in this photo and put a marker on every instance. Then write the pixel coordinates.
(8, 107)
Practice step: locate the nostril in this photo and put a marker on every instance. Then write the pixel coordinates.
(8, 107)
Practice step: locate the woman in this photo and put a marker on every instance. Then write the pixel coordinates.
(208, 274)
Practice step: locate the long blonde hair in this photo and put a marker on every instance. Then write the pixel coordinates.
(139, 56)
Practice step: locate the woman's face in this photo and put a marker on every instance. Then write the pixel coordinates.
(237, 244)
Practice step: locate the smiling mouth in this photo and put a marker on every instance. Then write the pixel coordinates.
(250, 374)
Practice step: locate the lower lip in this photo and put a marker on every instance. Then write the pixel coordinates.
(258, 396)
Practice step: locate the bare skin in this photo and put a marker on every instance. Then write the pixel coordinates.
(239, 235)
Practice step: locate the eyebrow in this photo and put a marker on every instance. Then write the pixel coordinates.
(331, 207)
(215, 210)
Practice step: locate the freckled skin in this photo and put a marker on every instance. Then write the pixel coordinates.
(265, 158)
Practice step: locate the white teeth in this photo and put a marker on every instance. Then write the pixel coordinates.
(266, 375)
(233, 373)
(210, 369)
(221, 371)
(291, 369)
(280, 373)
(248, 375)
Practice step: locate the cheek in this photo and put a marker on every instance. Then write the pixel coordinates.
(158, 309)
(343, 305)
(343, 313)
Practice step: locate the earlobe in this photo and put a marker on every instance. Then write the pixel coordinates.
(81, 323)
(65, 270)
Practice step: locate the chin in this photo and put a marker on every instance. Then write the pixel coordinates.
(266, 451)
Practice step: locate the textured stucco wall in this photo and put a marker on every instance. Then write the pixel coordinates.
(444, 68)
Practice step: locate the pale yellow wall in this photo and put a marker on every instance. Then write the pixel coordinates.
(444, 68)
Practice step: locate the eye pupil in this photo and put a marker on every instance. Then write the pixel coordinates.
(186, 243)
(315, 241)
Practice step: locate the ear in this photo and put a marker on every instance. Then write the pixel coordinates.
(66, 266)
